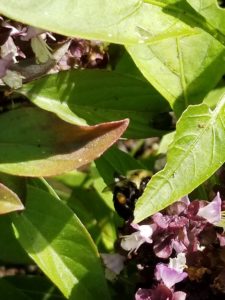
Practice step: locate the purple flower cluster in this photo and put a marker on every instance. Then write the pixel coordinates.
(24, 46)
(179, 247)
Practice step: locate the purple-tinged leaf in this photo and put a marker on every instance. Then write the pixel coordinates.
(37, 143)
(9, 201)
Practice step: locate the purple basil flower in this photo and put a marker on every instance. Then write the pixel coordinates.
(169, 276)
(170, 222)
(163, 245)
(4, 35)
(183, 226)
(221, 238)
(31, 33)
(38, 44)
(19, 30)
(179, 295)
(171, 234)
(178, 207)
(134, 240)
(5, 62)
(161, 292)
(143, 294)
(212, 211)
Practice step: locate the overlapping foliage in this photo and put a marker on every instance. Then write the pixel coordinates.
(169, 60)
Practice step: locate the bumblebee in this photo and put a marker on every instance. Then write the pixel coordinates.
(127, 190)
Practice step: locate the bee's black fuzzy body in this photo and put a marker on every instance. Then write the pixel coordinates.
(125, 194)
(124, 198)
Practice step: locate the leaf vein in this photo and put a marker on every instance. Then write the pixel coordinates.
(182, 72)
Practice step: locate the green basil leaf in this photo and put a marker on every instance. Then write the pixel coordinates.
(187, 166)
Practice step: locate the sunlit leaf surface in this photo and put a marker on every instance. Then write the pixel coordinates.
(197, 151)
(58, 242)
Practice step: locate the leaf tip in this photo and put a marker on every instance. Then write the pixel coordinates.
(123, 123)
(9, 201)
(138, 217)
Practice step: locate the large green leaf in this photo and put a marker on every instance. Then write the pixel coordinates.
(177, 50)
(197, 151)
(99, 96)
(58, 242)
(37, 143)
(182, 69)
(114, 21)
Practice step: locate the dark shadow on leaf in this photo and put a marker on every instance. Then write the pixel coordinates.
(181, 9)
(198, 89)
(93, 213)
(100, 96)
